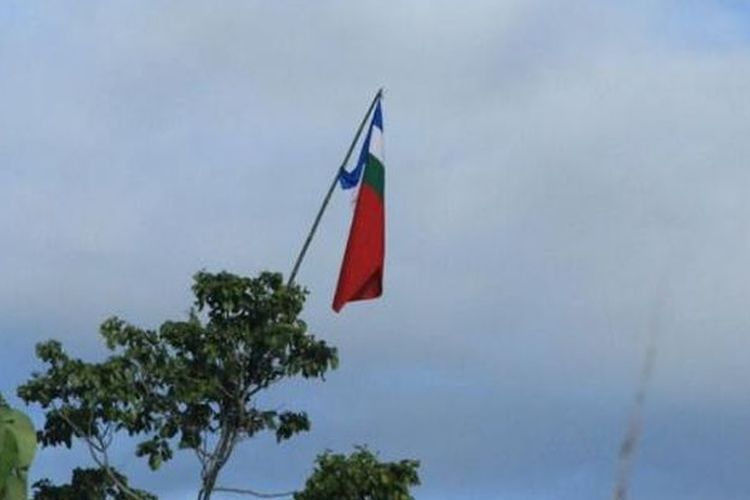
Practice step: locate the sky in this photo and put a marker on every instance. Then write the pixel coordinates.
(564, 180)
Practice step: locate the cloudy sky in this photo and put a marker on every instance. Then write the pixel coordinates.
(565, 179)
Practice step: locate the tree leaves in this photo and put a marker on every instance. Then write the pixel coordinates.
(192, 384)
(21, 430)
(359, 476)
(17, 450)
(186, 380)
(88, 484)
(15, 488)
(8, 457)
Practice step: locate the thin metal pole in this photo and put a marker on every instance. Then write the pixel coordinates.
(327, 198)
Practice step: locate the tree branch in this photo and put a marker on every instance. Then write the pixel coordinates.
(245, 491)
(103, 460)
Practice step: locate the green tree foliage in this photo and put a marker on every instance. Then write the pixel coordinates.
(359, 476)
(189, 384)
(17, 449)
(90, 484)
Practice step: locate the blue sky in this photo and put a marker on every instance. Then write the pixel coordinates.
(548, 164)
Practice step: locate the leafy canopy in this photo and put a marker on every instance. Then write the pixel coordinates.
(359, 476)
(89, 484)
(189, 384)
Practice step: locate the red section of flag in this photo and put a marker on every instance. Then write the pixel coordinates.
(361, 275)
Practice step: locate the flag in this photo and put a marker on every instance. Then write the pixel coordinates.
(361, 275)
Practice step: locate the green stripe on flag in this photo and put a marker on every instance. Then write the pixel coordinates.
(374, 175)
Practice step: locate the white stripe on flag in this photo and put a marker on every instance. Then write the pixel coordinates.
(376, 144)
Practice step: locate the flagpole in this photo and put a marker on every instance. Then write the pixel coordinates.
(327, 198)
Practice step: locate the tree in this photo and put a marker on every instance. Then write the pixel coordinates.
(190, 384)
(17, 450)
(360, 476)
(89, 484)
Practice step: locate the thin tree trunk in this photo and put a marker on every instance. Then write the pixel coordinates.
(216, 463)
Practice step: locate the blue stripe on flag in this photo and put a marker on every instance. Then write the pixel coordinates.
(347, 179)
(377, 117)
